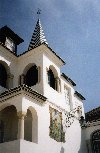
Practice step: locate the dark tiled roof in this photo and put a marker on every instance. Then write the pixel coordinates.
(79, 95)
(6, 31)
(22, 88)
(68, 79)
(38, 36)
(93, 115)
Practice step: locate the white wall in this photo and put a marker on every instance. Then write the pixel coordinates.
(11, 62)
(10, 147)
(45, 144)
(42, 57)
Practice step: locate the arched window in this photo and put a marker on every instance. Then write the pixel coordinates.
(31, 125)
(51, 79)
(32, 76)
(3, 76)
(8, 124)
(96, 142)
(28, 126)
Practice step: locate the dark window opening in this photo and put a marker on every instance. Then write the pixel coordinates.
(32, 76)
(3, 76)
(1, 131)
(51, 79)
(96, 142)
(8, 124)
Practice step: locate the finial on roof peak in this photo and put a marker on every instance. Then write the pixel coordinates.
(38, 37)
(38, 12)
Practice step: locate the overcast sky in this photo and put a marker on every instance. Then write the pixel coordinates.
(72, 29)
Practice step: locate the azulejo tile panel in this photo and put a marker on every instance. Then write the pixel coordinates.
(56, 128)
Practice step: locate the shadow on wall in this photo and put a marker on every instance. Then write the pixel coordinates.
(62, 150)
(83, 147)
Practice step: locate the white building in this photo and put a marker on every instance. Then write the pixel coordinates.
(40, 110)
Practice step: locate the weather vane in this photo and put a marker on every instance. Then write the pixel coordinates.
(38, 12)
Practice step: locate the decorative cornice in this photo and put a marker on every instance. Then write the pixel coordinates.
(18, 90)
(68, 79)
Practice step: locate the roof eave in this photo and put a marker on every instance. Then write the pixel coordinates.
(14, 36)
(79, 95)
(63, 62)
(23, 87)
(68, 79)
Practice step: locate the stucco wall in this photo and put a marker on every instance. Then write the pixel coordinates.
(40, 137)
(10, 61)
(42, 57)
(44, 143)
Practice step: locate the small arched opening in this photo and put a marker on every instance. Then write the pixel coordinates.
(95, 141)
(3, 76)
(8, 124)
(31, 77)
(53, 79)
(6, 78)
(31, 125)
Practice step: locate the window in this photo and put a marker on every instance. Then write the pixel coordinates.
(67, 95)
(10, 44)
(51, 79)
(32, 76)
(3, 76)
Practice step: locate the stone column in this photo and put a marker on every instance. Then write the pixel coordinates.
(21, 116)
(22, 79)
(58, 84)
(10, 81)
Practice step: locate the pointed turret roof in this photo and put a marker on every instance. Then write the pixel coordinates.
(38, 36)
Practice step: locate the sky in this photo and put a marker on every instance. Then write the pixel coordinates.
(72, 30)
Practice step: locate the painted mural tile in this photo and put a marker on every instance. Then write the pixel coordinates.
(56, 128)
